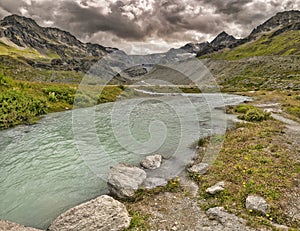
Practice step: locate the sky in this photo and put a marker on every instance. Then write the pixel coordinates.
(148, 26)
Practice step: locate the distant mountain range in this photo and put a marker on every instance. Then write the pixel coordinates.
(24, 43)
(223, 40)
(278, 24)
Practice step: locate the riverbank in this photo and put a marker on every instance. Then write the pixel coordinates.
(23, 102)
(260, 158)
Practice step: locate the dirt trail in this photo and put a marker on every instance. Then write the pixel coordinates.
(292, 136)
(291, 125)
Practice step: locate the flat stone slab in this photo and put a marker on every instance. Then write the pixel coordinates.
(154, 182)
(11, 226)
(124, 180)
(201, 168)
(101, 214)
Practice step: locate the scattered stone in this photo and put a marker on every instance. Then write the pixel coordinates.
(281, 227)
(10, 226)
(124, 180)
(219, 187)
(258, 204)
(152, 162)
(201, 168)
(229, 221)
(103, 213)
(154, 182)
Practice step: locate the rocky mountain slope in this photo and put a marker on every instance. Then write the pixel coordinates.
(222, 41)
(22, 38)
(277, 36)
(280, 23)
(31, 52)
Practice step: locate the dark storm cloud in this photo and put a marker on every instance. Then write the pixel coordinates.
(136, 20)
(86, 21)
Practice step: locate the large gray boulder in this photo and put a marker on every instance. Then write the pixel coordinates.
(151, 162)
(101, 214)
(125, 180)
(10, 226)
(257, 204)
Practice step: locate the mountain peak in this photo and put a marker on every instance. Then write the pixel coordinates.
(223, 40)
(223, 33)
(14, 18)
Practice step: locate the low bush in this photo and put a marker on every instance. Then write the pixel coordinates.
(17, 107)
(294, 111)
(251, 113)
(243, 108)
(56, 94)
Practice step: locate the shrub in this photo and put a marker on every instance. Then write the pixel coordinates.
(294, 111)
(243, 108)
(251, 113)
(60, 94)
(17, 107)
(82, 100)
(255, 115)
(4, 80)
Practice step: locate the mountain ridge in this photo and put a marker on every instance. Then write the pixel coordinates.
(49, 47)
(279, 23)
(25, 32)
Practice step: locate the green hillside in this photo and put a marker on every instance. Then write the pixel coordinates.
(285, 44)
(15, 52)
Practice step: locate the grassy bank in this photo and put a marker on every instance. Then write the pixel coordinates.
(22, 102)
(253, 161)
(287, 101)
(257, 158)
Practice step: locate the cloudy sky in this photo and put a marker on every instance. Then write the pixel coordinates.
(143, 26)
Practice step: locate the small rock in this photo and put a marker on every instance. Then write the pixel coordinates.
(280, 227)
(219, 187)
(10, 226)
(201, 168)
(151, 162)
(257, 204)
(151, 183)
(228, 221)
(124, 180)
(174, 228)
(102, 213)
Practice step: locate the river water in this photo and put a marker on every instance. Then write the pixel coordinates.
(63, 160)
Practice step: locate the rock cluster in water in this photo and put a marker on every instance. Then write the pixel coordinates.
(106, 213)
